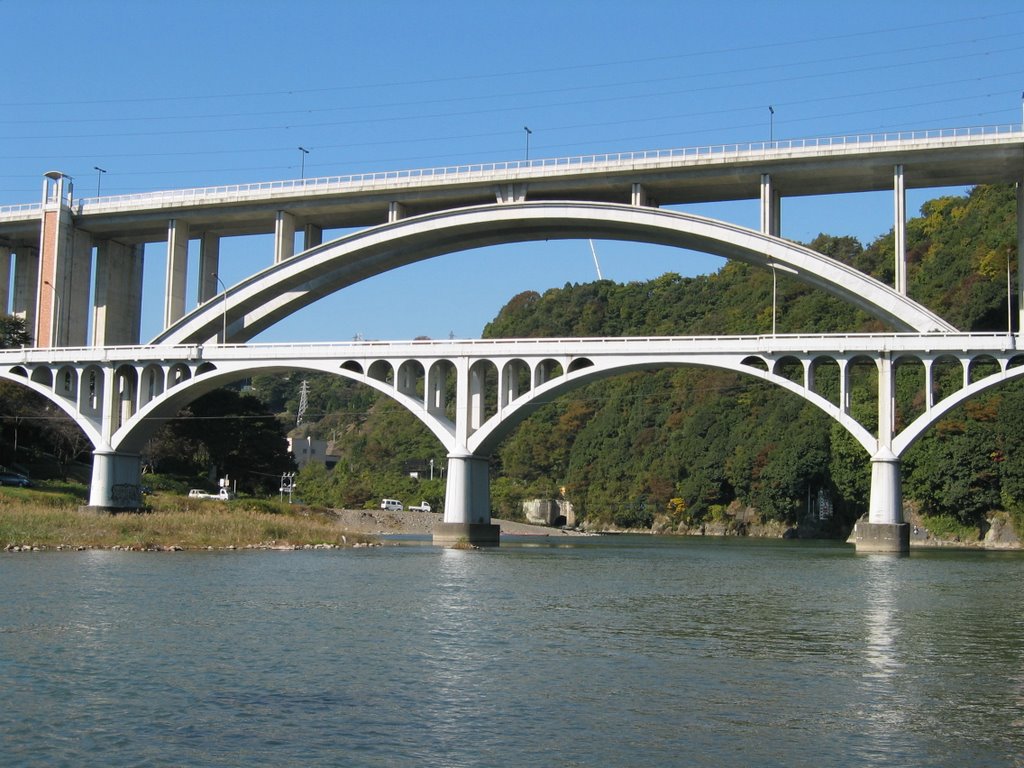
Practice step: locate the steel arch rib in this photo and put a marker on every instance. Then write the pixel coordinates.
(259, 301)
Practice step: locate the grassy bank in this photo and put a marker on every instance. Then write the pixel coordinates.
(52, 518)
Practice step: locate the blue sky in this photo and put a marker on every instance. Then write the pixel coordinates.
(169, 95)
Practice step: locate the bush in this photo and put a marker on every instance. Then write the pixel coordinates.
(949, 527)
(165, 483)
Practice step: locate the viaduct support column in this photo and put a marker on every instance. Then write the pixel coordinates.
(284, 236)
(5, 283)
(467, 505)
(771, 207)
(177, 271)
(24, 300)
(115, 481)
(117, 313)
(65, 269)
(1020, 257)
(209, 266)
(900, 229)
(312, 236)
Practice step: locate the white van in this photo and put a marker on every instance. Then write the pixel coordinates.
(391, 505)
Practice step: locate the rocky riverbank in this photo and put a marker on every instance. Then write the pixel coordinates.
(379, 522)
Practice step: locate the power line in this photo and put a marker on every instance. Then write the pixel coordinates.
(492, 110)
(490, 95)
(785, 44)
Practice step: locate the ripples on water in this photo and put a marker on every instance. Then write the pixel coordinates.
(616, 651)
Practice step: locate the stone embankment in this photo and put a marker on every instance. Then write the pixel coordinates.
(411, 522)
(175, 548)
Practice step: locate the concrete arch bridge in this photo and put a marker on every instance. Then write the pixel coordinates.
(78, 269)
(119, 396)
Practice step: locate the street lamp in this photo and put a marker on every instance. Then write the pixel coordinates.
(224, 323)
(774, 265)
(54, 314)
(1009, 297)
(775, 291)
(771, 123)
(302, 171)
(99, 175)
(528, 132)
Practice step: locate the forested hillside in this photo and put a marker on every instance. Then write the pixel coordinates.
(684, 445)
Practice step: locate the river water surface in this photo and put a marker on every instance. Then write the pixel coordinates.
(607, 651)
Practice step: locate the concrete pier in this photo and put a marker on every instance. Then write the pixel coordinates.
(115, 482)
(893, 538)
(470, 534)
(467, 509)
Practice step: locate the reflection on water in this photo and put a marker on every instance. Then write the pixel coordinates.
(880, 593)
(884, 709)
(614, 651)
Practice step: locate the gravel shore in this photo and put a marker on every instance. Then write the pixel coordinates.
(381, 522)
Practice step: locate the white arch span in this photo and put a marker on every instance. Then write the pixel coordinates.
(269, 296)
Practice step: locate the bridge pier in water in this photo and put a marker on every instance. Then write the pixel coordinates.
(884, 529)
(115, 482)
(467, 505)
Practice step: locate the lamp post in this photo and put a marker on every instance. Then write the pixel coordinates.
(302, 170)
(771, 124)
(528, 132)
(54, 314)
(224, 322)
(775, 266)
(1009, 297)
(99, 175)
(774, 297)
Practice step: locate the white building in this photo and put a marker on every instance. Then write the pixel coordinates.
(307, 449)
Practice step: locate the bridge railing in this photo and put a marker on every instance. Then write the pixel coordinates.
(19, 211)
(796, 343)
(509, 169)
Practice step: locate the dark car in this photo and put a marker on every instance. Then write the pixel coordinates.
(13, 478)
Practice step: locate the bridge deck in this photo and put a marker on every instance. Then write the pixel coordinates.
(946, 157)
(830, 344)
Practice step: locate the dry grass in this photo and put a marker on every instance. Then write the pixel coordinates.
(30, 518)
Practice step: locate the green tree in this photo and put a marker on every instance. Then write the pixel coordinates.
(14, 332)
(225, 433)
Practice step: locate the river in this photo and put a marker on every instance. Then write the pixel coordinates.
(603, 651)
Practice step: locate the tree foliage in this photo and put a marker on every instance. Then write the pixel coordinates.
(224, 433)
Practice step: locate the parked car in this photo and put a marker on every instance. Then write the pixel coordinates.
(391, 505)
(16, 479)
(423, 506)
(223, 494)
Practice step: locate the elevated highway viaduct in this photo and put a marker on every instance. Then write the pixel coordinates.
(57, 243)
